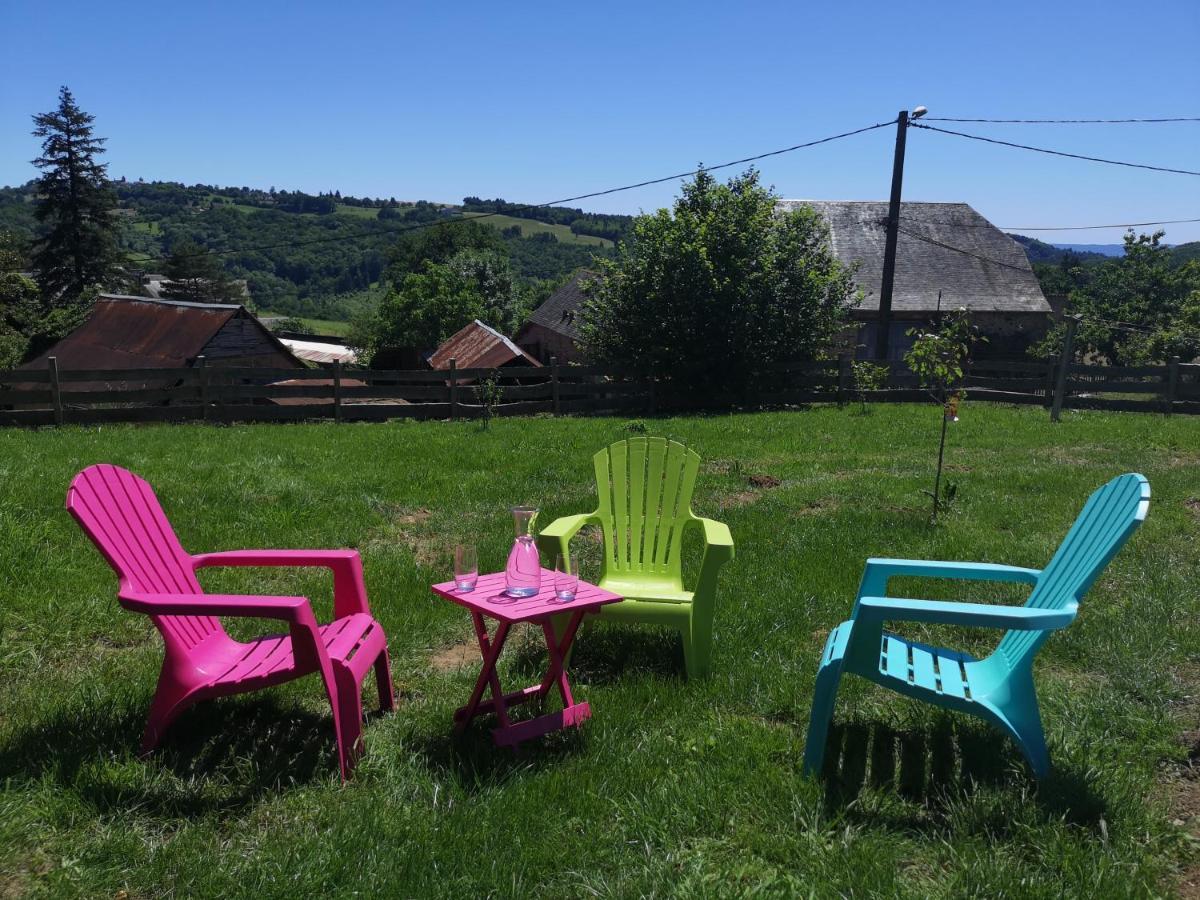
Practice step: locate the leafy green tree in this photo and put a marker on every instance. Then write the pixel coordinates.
(438, 244)
(713, 291)
(429, 306)
(1135, 309)
(196, 275)
(20, 308)
(78, 249)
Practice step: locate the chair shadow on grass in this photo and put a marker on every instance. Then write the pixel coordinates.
(474, 762)
(220, 756)
(934, 766)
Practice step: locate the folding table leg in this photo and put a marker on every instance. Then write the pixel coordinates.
(558, 650)
(490, 648)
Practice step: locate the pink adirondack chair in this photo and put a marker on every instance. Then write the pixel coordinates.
(119, 512)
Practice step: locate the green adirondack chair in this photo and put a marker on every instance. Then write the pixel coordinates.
(999, 688)
(645, 496)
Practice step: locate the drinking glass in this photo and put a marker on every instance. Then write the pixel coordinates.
(566, 579)
(466, 568)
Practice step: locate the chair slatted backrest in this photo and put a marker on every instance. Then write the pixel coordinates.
(1112, 513)
(123, 518)
(645, 489)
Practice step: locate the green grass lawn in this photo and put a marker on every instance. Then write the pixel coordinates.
(674, 787)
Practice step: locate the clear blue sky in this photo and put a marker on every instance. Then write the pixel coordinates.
(537, 101)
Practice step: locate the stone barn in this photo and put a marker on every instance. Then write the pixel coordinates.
(947, 256)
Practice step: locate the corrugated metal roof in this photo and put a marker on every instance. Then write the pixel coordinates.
(126, 332)
(858, 233)
(479, 347)
(319, 351)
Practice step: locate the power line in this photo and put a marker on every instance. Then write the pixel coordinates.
(980, 257)
(1067, 121)
(531, 206)
(1111, 162)
(1046, 227)
(1092, 227)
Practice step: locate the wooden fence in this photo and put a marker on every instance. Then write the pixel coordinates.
(219, 394)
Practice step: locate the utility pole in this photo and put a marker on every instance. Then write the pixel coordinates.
(884, 323)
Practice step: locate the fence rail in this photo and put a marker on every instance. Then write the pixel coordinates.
(214, 394)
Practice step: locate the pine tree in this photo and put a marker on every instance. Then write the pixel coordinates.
(75, 201)
(195, 274)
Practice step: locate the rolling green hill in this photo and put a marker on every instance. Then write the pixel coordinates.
(302, 255)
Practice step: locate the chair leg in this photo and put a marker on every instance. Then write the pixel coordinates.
(697, 648)
(1023, 721)
(170, 699)
(347, 721)
(824, 695)
(383, 680)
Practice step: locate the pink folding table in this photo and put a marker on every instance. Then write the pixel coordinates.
(488, 600)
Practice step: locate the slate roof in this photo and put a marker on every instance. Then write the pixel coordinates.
(560, 311)
(479, 347)
(858, 232)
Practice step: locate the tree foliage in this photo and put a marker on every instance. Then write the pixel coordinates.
(1140, 308)
(713, 291)
(20, 308)
(426, 307)
(196, 275)
(77, 249)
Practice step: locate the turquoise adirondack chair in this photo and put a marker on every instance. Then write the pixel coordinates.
(645, 496)
(998, 689)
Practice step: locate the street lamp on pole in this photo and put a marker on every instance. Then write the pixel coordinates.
(884, 322)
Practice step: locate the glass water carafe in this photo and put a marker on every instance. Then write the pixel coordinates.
(523, 574)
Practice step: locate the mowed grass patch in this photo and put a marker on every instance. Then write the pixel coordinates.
(674, 787)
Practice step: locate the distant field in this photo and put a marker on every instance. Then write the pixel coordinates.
(529, 227)
(318, 326)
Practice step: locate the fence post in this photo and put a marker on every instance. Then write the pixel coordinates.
(1172, 382)
(554, 383)
(202, 365)
(453, 389)
(337, 390)
(55, 391)
(1051, 380)
(1064, 368)
(843, 378)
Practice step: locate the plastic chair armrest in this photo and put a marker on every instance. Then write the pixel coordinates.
(718, 542)
(983, 615)
(349, 588)
(556, 537)
(877, 572)
(289, 609)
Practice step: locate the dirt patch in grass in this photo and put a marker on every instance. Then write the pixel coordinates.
(406, 526)
(1182, 780)
(738, 500)
(1194, 505)
(816, 507)
(415, 517)
(455, 657)
(757, 484)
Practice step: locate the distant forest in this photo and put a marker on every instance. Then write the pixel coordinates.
(280, 242)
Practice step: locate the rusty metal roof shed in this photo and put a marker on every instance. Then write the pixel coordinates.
(479, 347)
(127, 332)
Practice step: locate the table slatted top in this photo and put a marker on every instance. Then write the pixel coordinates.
(489, 598)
